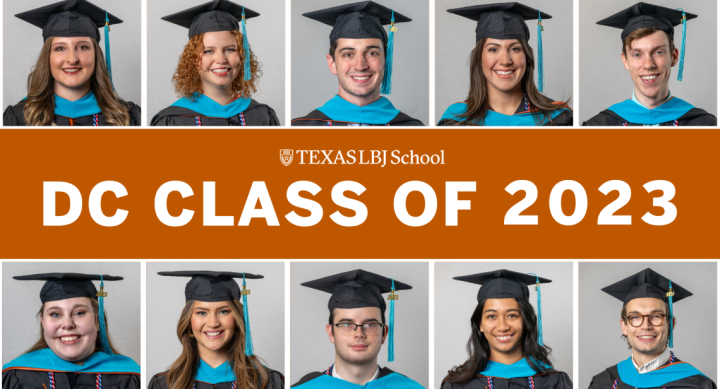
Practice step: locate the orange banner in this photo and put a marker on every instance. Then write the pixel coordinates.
(412, 193)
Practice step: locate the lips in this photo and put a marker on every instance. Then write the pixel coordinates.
(221, 71)
(359, 347)
(646, 338)
(361, 78)
(214, 334)
(71, 71)
(69, 339)
(504, 338)
(504, 73)
(649, 78)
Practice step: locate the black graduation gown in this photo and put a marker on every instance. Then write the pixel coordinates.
(276, 381)
(606, 380)
(553, 379)
(694, 117)
(565, 118)
(317, 118)
(13, 116)
(384, 372)
(40, 379)
(256, 114)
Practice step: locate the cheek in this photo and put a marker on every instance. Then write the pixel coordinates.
(87, 59)
(49, 328)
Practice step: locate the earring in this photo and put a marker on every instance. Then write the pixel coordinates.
(191, 334)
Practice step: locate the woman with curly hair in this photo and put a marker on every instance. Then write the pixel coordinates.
(506, 348)
(70, 84)
(214, 329)
(502, 87)
(217, 72)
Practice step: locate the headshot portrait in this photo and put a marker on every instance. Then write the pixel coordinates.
(218, 325)
(216, 63)
(372, 71)
(648, 324)
(503, 324)
(649, 63)
(376, 335)
(65, 327)
(503, 64)
(64, 71)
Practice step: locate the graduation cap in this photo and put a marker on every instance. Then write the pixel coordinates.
(360, 289)
(363, 20)
(503, 284)
(648, 284)
(217, 15)
(644, 15)
(73, 18)
(214, 286)
(506, 21)
(63, 286)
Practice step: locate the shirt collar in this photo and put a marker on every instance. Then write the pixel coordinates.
(654, 364)
(336, 375)
(641, 104)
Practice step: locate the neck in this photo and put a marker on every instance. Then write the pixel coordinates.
(507, 358)
(355, 373)
(652, 102)
(360, 101)
(213, 358)
(71, 94)
(643, 358)
(505, 102)
(220, 96)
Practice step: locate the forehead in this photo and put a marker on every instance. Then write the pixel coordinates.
(210, 305)
(358, 43)
(218, 38)
(658, 38)
(501, 305)
(357, 314)
(68, 303)
(70, 40)
(645, 305)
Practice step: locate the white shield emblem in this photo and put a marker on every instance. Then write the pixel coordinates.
(286, 156)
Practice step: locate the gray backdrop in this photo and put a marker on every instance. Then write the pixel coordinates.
(313, 84)
(455, 39)
(166, 41)
(603, 78)
(21, 302)
(265, 303)
(455, 302)
(311, 349)
(600, 342)
(22, 43)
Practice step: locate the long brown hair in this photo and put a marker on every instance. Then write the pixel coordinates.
(39, 107)
(187, 77)
(42, 344)
(249, 371)
(477, 100)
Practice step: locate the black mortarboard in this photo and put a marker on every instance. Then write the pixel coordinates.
(63, 286)
(217, 15)
(506, 21)
(363, 20)
(648, 284)
(214, 286)
(503, 284)
(644, 15)
(69, 18)
(360, 289)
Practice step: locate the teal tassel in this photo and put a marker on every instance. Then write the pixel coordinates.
(541, 70)
(391, 327)
(681, 67)
(107, 49)
(539, 305)
(386, 87)
(670, 296)
(248, 71)
(101, 316)
(246, 317)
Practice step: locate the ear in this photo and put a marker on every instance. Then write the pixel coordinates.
(329, 330)
(386, 329)
(623, 325)
(622, 55)
(676, 57)
(331, 64)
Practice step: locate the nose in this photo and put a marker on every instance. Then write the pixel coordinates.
(646, 323)
(214, 320)
(220, 56)
(503, 324)
(72, 57)
(359, 333)
(67, 322)
(648, 62)
(360, 62)
(505, 58)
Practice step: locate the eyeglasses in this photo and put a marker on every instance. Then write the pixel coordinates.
(654, 319)
(367, 328)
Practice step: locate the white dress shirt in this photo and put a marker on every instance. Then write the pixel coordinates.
(374, 377)
(652, 365)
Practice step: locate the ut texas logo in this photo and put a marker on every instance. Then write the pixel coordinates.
(286, 156)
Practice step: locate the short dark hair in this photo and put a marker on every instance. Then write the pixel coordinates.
(642, 33)
(333, 48)
(623, 313)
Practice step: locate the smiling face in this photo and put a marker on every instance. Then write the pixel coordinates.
(359, 65)
(503, 64)
(219, 61)
(649, 60)
(72, 63)
(360, 347)
(502, 325)
(646, 339)
(70, 328)
(213, 326)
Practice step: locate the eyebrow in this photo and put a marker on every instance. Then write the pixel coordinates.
(364, 321)
(73, 307)
(651, 312)
(65, 43)
(495, 310)
(353, 49)
(207, 309)
(498, 45)
(654, 48)
(225, 47)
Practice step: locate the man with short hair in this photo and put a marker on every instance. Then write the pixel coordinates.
(357, 329)
(647, 324)
(649, 53)
(361, 58)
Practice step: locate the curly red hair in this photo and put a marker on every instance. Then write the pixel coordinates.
(187, 77)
